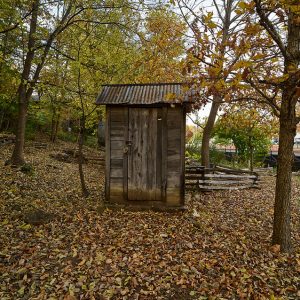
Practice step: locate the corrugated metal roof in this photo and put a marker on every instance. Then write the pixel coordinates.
(144, 93)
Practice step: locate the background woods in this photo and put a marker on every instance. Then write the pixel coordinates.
(38, 52)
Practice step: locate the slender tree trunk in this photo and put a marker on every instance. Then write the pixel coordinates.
(52, 127)
(7, 124)
(56, 128)
(251, 158)
(25, 90)
(18, 152)
(227, 21)
(251, 153)
(2, 118)
(205, 161)
(84, 189)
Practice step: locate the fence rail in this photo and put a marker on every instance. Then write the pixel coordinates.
(219, 178)
(7, 139)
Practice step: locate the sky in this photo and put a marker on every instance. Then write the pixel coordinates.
(203, 113)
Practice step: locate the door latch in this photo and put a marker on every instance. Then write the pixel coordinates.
(127, 147)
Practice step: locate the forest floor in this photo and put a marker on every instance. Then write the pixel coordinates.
(218, 249)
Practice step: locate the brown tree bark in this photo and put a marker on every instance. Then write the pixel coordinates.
(217, 99)
(82, 120)
(54, 126)
(84, 189)
(18, 152)
(282, 209)
(1, 119)
(251, 159)
(288, 124)
(24, 93)
(207, 131)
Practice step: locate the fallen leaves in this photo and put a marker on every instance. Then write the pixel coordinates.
(275, 249)
(218, 249)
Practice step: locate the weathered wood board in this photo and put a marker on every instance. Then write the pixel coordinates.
(143, 156)
(145, 149)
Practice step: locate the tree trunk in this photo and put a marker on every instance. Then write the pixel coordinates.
(251, 158)
(25, 90)
(288, 125)
(251, 153)
(1, 120)
(56, 128)
(205, 160)
(227, 21)
(52, 127)
(84, 189)
(282, 209)
(18, 153)
(7, 124)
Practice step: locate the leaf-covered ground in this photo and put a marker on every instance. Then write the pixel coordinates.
(218, 249)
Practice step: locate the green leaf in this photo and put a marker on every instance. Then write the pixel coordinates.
(21, 291)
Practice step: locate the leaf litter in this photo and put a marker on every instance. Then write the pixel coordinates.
(219, 248)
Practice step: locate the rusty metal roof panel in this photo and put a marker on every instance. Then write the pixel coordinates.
(147, 94)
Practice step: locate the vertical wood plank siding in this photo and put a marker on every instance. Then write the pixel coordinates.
(125, 155)
(107, 154)
(145, 154)
(164, 153)
(143, 158)
(182, 155)
(174, 156)
(118, 128)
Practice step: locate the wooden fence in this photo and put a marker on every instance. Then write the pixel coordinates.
(6, 139)
(219, 178)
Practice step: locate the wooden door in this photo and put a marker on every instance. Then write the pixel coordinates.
(144, 154)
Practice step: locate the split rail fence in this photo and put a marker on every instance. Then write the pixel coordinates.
(7, 139)
(219, 178)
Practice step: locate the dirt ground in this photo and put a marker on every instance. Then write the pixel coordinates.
(219, 248)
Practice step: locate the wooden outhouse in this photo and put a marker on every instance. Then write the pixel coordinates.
(145, 144)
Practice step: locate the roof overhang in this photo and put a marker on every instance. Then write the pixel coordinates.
(145, 94)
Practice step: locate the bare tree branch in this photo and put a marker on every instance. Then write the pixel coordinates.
(195, 122)
(270, 28)
(269, 100)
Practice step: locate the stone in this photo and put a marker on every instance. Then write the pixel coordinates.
(38, 217)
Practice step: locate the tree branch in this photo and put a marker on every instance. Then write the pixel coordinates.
(270, 28)
(195, 122)
(269, 100)
(17, 24)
